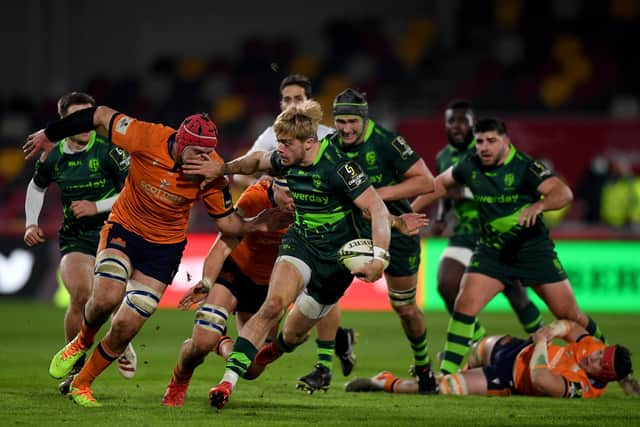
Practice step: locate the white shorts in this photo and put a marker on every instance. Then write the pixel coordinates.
(458, 253)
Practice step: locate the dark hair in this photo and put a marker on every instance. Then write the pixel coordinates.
(298, 80)
(351, 102)
(622, 362)
(490, 124)
(459, 104)
(73, 98)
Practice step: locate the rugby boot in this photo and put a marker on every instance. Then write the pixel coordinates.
(318, 379)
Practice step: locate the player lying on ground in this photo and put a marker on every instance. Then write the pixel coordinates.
(504, 365)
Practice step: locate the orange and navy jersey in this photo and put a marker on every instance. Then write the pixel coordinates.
(156, 200)
(257, 251)
(563, 361)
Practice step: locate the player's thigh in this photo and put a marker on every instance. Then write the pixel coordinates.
(476, 291)
(76, 271)
(560, 299)
(450, 272)
(476, 381)
(286, 281)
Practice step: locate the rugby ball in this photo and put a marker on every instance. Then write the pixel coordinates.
(356, 253)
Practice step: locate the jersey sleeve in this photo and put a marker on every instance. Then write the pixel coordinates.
(217, 199)
(461, 169)
(350, 179)
(43, 175)
(135, 135)
(535, 174)
(402, 156)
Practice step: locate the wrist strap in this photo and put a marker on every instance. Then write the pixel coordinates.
(382, 255)
(208, 283)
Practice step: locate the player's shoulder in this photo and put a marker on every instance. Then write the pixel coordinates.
(382, 134)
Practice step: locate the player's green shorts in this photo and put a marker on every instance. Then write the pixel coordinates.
(532, 265)
(464, 241)
(329, 279)
(85, 242)
(405, 255)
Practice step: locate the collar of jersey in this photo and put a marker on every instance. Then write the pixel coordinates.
(63, 145)
(323, 146)
(510, 155)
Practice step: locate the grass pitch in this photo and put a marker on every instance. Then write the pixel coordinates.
(32, 332)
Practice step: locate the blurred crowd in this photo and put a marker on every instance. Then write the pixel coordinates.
(510, 57)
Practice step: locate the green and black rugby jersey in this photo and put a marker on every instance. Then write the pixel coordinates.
(385, 157)
(96, 173)
(323, 193)
(502, 192)
(467, 229)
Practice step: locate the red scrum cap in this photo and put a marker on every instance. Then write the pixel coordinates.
(198, 130)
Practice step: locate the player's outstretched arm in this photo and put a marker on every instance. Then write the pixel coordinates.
(212, 169)
(81, 121)
(218, 253)
(442, 182)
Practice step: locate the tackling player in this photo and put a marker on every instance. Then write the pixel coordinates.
(328, 190)
(141, 245)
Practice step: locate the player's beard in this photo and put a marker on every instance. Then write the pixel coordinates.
(460, 145)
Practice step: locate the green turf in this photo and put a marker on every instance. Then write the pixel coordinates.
(31, 333)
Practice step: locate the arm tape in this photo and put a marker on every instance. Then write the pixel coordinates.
(78, 122)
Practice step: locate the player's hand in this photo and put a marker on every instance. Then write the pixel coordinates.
(33, 235)
(544, 334)
(82, 208)
(193, 296)
(438, 226)
(529, 215)
(37, 142)
(409, 224)
(271, 219)
(370, 272)
(204, 166)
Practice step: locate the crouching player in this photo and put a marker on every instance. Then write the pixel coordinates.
(242, 270)
(504, 365)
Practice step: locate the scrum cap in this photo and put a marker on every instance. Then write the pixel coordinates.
(350, 102)
(198, 130)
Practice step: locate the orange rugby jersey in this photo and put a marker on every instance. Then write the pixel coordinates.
(257, 251)
(156, 200)
(563, 361)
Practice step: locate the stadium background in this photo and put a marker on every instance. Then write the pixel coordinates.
(560, 74)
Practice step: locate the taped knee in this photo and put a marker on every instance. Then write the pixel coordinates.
(400, 298)
(312, 308)
(453, 385)
(113, 267)
(212, 317)
(142, 299)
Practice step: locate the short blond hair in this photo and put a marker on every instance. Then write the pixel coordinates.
(299, 121)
